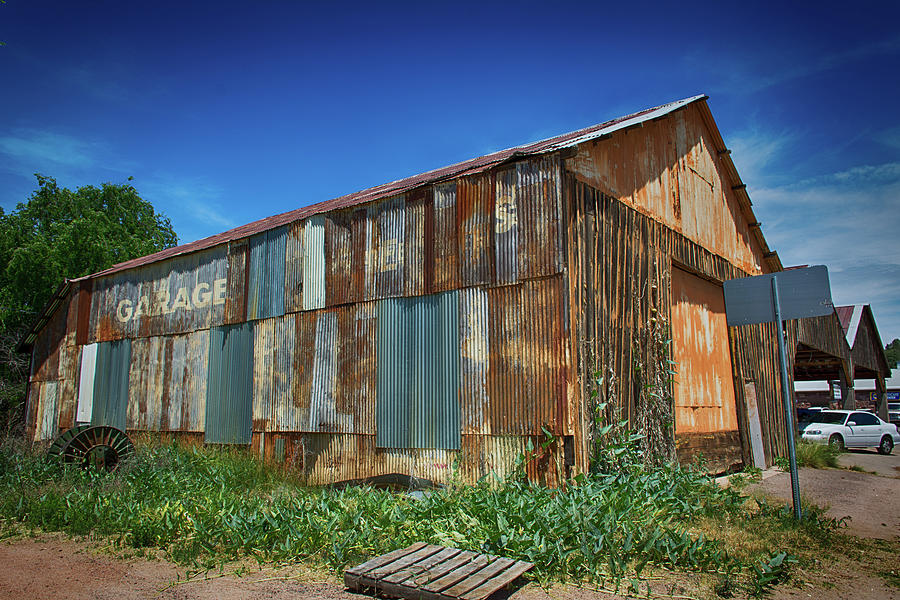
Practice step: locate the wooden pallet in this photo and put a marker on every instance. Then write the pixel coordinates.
(427, 572)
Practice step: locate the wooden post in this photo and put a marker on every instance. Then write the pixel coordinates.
(848, 394)
(880, 398)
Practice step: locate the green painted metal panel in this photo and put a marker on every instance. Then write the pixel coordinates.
(110, 403)
(417, 379)
(230, 385)
(265, 288)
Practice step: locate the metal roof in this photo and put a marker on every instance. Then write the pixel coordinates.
(468, 167)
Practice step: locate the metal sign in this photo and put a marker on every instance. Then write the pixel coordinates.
(803, 293)
(778, 297)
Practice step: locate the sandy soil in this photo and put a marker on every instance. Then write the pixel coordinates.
(52, 566)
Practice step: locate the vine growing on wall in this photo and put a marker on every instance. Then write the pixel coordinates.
(654, 372)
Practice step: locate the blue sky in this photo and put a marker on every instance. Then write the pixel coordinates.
(228, 112)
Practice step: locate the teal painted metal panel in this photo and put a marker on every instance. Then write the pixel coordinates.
(229, 407)
(265, 289)
(111, 384)
(417, 378)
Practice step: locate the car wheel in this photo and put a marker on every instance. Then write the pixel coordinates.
(886, 445)
(836, 441)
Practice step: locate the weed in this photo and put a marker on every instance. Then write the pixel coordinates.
(770, 572)
(817, 456)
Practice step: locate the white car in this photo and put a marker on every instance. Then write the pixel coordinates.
(851, 429)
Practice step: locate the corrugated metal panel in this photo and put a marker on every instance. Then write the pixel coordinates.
(167, 382)
(475, 208)
(178, 296)
(418, 372)
(86, 383)
(538, 211)
(446, 231)
(338, 258)
(314, 262)
(111, 384)
(389, 226)
(47, 409)
(49, 347)
(286, 403)
(414, 244)
(293, 268)
(236, 299)
(506, 227)
(474, 361)
(229, 388)
(68, 396)
(323, 415)
(264, 343)
(528, 377)
(265, 288)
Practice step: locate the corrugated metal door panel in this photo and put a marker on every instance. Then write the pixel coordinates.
(474, 361)
(263, 372)
(229, 388)
(446, 232)
(704, 387)
(111, 384)
(506, 227)
(418, 372)
(474, 207)
(314, 262)
(338, 257)
(193, 413)
(389, 225)
(293, 268)
(86, 383)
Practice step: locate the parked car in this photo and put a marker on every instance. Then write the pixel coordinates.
(851, 429)
(894, 413)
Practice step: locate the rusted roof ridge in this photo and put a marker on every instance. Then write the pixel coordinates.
(467, 167)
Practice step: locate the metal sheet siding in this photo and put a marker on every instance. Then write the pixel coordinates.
(314, 262)
(264, 343)
(414, 244)
(46, 393)
(338, 258)
(285, 403)
(266, 278)
(165, 298)
(238, 260)
(230, 386)
(506, 227)
(293, 268)
(111, 384)
(389, 227)
(475, 209)
(418, 372)
(446, 247)
(474, 361)
(538, 200)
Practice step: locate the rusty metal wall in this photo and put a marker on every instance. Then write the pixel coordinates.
(176, 296)
(620, 263)
(167, 383)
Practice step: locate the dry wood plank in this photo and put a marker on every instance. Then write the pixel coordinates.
(384, 559)
(439, 585)
(393, 567)
(414, 571)
(480, 578)
(495, 583)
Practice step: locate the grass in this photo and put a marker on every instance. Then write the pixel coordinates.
(817, 456)
(204, 507)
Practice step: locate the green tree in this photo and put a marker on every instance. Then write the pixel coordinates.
(892, 352)
(57, 234)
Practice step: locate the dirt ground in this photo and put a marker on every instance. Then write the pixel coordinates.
(53, 566)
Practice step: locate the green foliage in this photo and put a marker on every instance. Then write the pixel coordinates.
(57, 234)
(817, 456)
(892, 352)
(204, 506)
(770, 572)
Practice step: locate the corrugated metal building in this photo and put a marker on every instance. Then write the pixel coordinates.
(443, 323)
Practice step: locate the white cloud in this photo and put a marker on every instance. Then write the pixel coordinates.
(195, 205)
(38, 151)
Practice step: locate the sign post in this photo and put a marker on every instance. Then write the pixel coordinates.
(792, 294)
